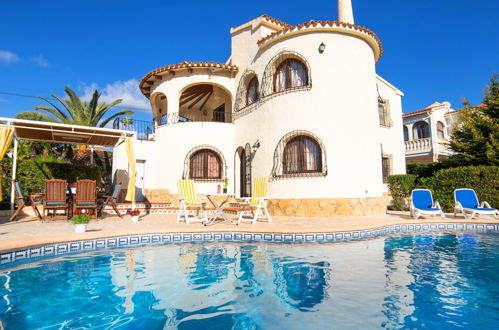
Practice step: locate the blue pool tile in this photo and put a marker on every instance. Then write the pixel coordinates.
(288, 238)
(208, 237)
(309, 237)
(298, 237)
(278, 238)
(134, 240)
(320, 237)
(268, 237)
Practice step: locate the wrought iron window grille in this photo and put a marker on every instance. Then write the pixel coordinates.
(288, 63)
(299, 166)
(190, 168)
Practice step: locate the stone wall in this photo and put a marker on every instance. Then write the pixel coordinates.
(330, 207)
(326, 207)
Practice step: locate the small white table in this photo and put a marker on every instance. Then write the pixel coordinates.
(219, 208)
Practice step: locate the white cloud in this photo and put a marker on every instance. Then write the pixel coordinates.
(8, 57)
(41, 61)
(126, 90)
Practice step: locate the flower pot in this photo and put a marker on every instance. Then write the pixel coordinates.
(81, 228)
(135, 218)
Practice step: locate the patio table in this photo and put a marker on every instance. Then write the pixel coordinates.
(219, 208)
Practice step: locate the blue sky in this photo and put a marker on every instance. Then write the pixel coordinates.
(434, 50)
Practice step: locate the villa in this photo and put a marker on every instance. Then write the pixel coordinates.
(427, 132)
(299, 104)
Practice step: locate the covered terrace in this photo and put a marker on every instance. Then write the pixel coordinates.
(20, 129)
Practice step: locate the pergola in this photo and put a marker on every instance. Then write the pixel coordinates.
(62, 133)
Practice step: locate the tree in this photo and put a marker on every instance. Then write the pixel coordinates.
(476, 138)
(75, 111)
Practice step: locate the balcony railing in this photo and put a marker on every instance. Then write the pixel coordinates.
(144, 129)
(418, 145)
(193, 116)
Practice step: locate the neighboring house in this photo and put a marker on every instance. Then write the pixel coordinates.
(301, 105)
(427, 132)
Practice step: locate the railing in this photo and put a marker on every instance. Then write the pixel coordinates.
(418, 145)
(193, 116)
(144, 129)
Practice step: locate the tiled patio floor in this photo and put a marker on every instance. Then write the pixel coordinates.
(29, 232)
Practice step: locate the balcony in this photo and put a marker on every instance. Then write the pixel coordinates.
(418, 145)
(193, 116)
(144, 130)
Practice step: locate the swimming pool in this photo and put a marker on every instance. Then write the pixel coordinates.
(410, 281)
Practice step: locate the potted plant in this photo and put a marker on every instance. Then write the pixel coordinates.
(135, 215)
(80, 220)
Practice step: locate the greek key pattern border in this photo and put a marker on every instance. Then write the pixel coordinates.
(56, 249)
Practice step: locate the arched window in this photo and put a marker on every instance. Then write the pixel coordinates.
(205, 164)
(406, 133)
(289, 74)
(421, 130)
(252, 91)
(302, 154)
(440, 130)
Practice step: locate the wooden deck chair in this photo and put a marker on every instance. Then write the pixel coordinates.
(111, 200)
(86, 198)
(189, 201)
(250, 209)
(22, 201)
(466, 200)
(55, 198)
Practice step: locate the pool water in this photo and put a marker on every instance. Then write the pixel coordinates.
(411, 281)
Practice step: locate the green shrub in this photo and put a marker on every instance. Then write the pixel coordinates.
(400, 188)
(32, 175)
(80, 219)
(483, 179)
(427, 170)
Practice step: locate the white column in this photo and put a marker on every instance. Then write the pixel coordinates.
(14, 169)
(345, 12)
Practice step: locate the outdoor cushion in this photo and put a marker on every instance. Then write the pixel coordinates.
(55, 204)
(422, 200)
(85, 204)
(486, 209)
(467, 198)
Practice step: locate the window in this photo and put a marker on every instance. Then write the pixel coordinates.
(386, 167)
(302, 155)
(440, 130)
(289, 74)
(406, 133)
(383, 112)
(205, 164)
(421, 130)
(252, 91)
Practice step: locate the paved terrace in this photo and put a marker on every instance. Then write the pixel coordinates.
(31, 232)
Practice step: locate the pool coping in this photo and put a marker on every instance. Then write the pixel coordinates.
(50, 249)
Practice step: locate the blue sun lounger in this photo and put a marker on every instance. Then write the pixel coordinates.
(422, 204)
(467, 201)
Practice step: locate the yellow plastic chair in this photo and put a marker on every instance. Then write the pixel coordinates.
(251, 208)
(188, 202)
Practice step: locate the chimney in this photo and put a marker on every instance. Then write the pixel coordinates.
(345, 12)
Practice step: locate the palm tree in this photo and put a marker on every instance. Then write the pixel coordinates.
(75, 111)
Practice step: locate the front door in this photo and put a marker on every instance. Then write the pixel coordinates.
(245, 170)
(140, 167)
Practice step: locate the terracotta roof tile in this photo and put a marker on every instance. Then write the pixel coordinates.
(275, 21)
(319, 23)
(183, 65)
(416, 112)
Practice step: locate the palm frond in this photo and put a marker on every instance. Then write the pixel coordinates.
(121, 113)
(34, 115)
(61, 115)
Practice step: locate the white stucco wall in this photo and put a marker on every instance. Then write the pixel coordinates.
(392, 137)
(340, 109)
